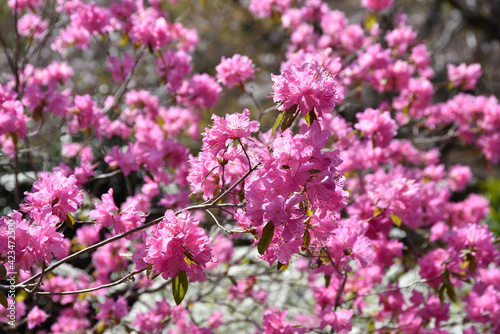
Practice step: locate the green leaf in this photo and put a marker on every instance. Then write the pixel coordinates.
(307, 240)
(289, 117)
(233, 281)
(3, 301)
(371, 326)
(70, 221)
(160, 121)
(278, 121)
(124, 40)
(310, 117)
(377, 212)
(472, 262)
(180, 287)
(3, 271)
(267, 236)
(441, 294)
(396, 219)
(328, 278)
(282, 266)
(370, 21)
(450, 290)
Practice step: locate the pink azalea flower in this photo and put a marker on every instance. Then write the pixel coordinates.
(235, 70)
(36, 317)
(55, 190)
(275, 323)
(464, 76)
(178, 244)
(377, 5)
(201, 91)
(120, 69)
(377, 125)
(339, 320)
(112, 309)
(308, 86)
(32, 25)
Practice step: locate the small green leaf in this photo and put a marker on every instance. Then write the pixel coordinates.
(70, 221)
(282, 266)
(101, 327)
(3, 301)
(278, 121)
(377, 212)
(180, 287)
(450, 290)
(441, 294)
(370, 21)
(160, 121)
(371, 326)
(233, 281)
(3, 271)
(124, 40)
(14, 137)
(307, 240)
(310, 117)
(289, 117)
(267, 236)
(328, 278)
(472, 262)
(396, 219)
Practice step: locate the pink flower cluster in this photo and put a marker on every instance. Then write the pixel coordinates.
(308, 86)
(235, 70)
(464, 76)
(178, 244)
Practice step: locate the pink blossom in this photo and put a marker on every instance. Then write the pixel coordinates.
(173, 67)
(464, 76)
(235, 70)
(178, 244)
(149, 27)
(125, 160)
(153, 320)
(36, 317)
(377, 5)
(264, 8)
(107, 214)
(24, 4)
(87, 235)
(308, 86)
(379, 126)
(432, 266)
(55, 190)
(201, 91)
(70, 320)
(275, 323)
(32, 25)
(12, 118)
(109, 259)
(339, 320)
(401, 38)
(86, 116)
(459, 176)
(120, 69)
(112, 309)
(233, 126)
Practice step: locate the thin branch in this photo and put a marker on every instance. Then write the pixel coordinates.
(228, 190)
(39, 281)
(218, 224)
(105, 176)
(117, 237)
(76, 292)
